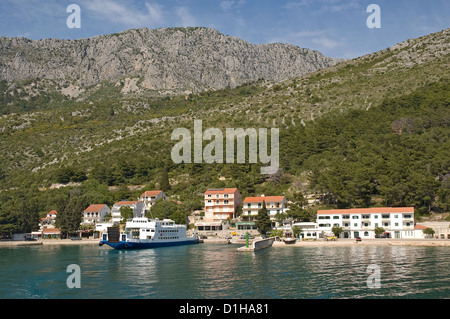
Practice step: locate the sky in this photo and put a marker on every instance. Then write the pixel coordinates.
(337, 28)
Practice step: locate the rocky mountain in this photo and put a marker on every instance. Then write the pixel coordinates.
(168, 59)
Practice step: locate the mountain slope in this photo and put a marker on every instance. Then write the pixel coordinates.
(168, 59)
(388, 145)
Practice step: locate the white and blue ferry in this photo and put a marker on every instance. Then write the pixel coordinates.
(142, 233)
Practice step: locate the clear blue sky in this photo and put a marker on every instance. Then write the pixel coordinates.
(335, 27)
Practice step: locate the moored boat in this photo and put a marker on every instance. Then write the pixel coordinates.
(143, 233)
(289, 240)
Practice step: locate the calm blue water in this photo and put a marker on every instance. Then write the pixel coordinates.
(219, 271)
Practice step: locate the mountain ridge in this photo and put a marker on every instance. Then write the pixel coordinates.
(166, 59)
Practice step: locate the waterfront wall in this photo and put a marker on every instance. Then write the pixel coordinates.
(263, 243)
(258, 244)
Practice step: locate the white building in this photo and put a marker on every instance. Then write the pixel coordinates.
(309, 230)
(150, 197)
(274, 205)
(138, 208)
(398, 222)
(95, 213)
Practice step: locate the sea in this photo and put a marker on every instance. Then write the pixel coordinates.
(219, 271)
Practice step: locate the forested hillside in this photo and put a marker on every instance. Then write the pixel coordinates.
(373, 131)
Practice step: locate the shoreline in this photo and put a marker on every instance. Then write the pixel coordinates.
(317, 243)
(347, 242)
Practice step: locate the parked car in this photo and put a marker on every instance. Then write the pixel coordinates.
(333, 238)
(358, 238)
(75, 238)
(30, 239)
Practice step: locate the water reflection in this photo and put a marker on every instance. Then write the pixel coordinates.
(219, 271)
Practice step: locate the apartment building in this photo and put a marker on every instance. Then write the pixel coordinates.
(398, 222)
(274, 205)
(221, 203)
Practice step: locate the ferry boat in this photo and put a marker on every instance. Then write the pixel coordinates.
(142, 233)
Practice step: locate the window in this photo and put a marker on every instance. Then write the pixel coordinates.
(335, 217)
(209, 201)
(396, 224)
(386, 224)
(395, 216)
(366, 233)
(385, 216)
(355, 225)
(226, 201)
(217, 202)
(355, 217)
(225, 196)
(209, 195)
(375, 216)
(217, 195)
(346, 217)
(249, 205)
(366, 224)
(365, 216)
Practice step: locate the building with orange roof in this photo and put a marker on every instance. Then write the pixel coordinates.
(398, 222)
(150, 197)
(49, 220)
(220, 205)
(95, 213)
(251, 206)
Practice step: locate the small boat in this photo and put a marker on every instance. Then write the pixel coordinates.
(288, 237)
(289, 240)
(143, 233)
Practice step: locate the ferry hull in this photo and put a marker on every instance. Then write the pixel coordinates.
(147, 245)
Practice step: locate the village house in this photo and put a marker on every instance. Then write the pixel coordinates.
(150, 197)
(95, 213)
(251, 206)
(49, 220)
(136, 206)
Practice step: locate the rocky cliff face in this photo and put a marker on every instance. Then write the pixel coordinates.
(164, 59)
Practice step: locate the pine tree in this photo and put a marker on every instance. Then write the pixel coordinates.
(263, 223)
(164, 184)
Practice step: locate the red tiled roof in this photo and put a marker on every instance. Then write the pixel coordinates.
(95, 207)
(127, 202)
(221, 191)
(53, 212)
(373, 210)
(51, 230)
(417, 226)
(150, 193)
(260, 199)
